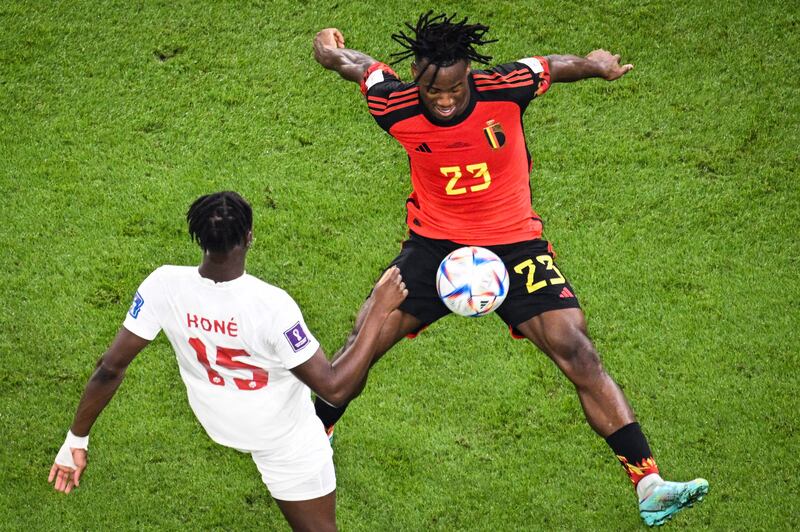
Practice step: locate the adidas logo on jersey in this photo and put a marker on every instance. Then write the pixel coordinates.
(566, 293)
(423, 148)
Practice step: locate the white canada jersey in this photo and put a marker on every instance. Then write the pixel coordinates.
(235, 343)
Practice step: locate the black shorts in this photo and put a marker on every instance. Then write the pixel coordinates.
(535, 283)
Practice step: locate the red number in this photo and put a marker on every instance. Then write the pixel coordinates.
(225, 359)
(199, 347)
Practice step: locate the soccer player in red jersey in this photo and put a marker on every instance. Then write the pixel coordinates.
(470, 170)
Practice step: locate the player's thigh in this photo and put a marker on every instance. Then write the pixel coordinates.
(299, 473)
(397, 326)
(562, 335)
(542, 307)
(311, 515)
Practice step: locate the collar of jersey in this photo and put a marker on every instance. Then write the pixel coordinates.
(460, 118)
(209, 282)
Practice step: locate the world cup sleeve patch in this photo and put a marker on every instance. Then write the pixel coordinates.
(136, 306)
(296, 336)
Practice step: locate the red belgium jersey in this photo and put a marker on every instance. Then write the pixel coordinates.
(470, 176)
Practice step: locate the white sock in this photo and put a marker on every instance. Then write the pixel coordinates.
(645, 486)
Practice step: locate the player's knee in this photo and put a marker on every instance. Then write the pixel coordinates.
(580, 362)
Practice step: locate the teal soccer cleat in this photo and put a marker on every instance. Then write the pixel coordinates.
(669, 498)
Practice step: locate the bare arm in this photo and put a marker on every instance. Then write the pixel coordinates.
(102, 385)
(329, 51)
(107, 376)
(338, 381)
(597, 64)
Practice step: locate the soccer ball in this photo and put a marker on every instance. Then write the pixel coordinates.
(472, 281)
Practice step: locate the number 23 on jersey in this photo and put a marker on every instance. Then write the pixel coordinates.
(478, 171)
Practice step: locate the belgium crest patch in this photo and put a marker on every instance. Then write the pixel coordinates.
(494, 134)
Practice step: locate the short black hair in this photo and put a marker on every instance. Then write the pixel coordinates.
(441, 41)
(220, 221)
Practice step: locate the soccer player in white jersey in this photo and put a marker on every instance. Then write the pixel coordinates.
(247, 359)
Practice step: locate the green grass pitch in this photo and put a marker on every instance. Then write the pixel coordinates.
(671, 197)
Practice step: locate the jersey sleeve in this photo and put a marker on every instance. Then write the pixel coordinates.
(377, 74)
(389, 100)
(290, 337)
(541, 72)
(519, 82)
(143, 316)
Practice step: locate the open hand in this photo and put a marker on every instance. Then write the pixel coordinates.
(67, 477)
(608, 64)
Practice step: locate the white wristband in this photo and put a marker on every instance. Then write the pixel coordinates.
(64, 456)
(77, 442)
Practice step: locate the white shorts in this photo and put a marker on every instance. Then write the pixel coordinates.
(297, 476)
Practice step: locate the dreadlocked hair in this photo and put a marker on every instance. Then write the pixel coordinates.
(220, 221)
(441, 41)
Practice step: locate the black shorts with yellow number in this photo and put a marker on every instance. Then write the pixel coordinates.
(535, 283)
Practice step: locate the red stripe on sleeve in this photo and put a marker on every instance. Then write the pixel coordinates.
(503, 86)
(388, 110)
(514, 79)
(498, 75)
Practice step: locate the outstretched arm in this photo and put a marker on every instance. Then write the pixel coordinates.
(107, 376)
(329, 51)
(597, 64)
(336, 382)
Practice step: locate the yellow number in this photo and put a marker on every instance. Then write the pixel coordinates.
(476, 171)
(456, 175)
(529, 284)
(547, 262)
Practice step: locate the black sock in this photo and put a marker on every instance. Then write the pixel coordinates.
(327, 413)
(633, 452)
